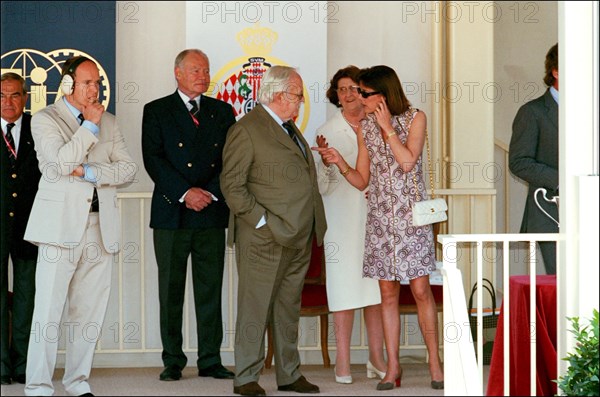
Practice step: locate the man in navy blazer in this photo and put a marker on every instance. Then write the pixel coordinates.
(533, 157)
(20, 177)
(182, 143)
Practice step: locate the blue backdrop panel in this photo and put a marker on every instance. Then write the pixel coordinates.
(37, 37)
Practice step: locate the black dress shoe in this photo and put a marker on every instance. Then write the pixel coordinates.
(19, 378)
(249, 389)
(5, 380)
(216, 371)
(300, 386)
(170, 373)
(86, 395)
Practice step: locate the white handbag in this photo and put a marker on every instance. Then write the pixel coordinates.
(429, 211)
(426, 212)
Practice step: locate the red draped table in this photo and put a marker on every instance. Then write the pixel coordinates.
(521, 333)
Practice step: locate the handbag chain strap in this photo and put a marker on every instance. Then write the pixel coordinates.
(430, 168)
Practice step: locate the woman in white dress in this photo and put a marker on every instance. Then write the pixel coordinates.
(346, 212)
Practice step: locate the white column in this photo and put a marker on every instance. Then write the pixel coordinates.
(578, 146)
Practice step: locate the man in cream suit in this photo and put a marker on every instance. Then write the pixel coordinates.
(75, 222)
(270, 184)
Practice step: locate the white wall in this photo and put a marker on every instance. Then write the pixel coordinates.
(396, 34)
(360, 33)
(147, 42)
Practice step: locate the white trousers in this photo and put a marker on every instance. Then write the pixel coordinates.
(80, 277)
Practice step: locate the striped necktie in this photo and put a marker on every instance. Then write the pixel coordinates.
(292, 133)
(10, 143)
(194, 112)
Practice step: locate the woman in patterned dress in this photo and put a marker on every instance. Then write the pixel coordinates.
(389, 162)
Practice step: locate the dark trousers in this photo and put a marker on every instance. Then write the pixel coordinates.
(13, 351)
(207, 250)
(548, 249)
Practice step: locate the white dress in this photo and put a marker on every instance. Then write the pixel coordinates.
(346, 213)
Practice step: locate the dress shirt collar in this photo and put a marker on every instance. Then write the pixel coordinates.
(554, 93)
(15, 132)
(186, 99)
(275, 117)
(76, 112)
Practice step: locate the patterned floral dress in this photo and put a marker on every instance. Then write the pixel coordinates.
(394, 249)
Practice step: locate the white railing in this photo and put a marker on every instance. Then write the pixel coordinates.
(458, 345)
(131, 334)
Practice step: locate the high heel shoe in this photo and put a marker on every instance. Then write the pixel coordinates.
(437, 384)
(345, 379)
(372, 371)
(390, 385)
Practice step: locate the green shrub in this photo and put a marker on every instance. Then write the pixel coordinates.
(581, 378)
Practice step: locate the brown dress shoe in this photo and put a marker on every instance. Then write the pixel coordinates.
(249, 389)
(300, 386)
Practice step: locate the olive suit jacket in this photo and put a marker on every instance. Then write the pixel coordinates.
(266, 173)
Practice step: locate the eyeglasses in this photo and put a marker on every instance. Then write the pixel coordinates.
(352, 89)
(299, 96)
(366, 94)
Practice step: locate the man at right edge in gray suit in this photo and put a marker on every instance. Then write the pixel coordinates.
(270, 184)
(533, 157)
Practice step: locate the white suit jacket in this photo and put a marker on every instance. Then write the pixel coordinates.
(61, 207)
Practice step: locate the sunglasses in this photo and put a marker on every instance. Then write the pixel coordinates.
(366, 94)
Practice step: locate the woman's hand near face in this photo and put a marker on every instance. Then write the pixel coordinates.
(384, 118)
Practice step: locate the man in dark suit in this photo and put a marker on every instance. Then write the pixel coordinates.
(533, 157)
(20, 177)
(182, 143)
(270, 184)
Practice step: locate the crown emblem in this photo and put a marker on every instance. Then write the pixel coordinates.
(257, 41)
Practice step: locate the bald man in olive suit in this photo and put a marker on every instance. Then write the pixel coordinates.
(270, 184)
